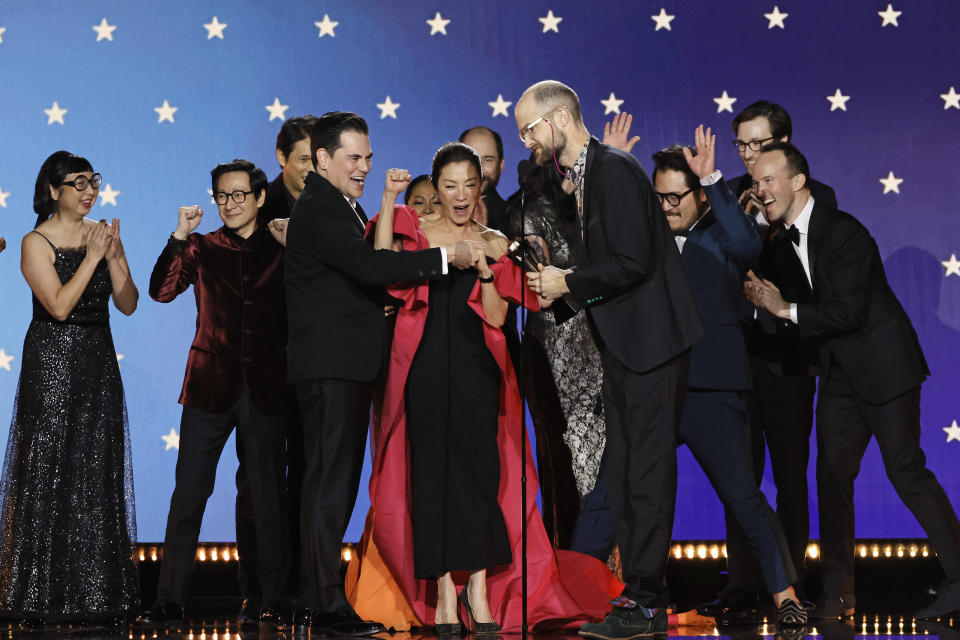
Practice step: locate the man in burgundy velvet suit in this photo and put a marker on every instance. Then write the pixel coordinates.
(235, 378)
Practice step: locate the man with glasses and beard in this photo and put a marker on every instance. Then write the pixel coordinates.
(644, 317)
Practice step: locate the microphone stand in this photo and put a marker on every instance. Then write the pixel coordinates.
(523, 424)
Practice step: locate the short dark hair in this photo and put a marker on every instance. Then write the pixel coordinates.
(777, 116)
(550, 94)
(258, 179)
(496, 138)
(454, 152)
(672, 159)
(293, 131)
(796, 163)
(53, 172)
(413, 185)
(328, 129)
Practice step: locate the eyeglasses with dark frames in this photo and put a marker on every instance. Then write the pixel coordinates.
(672, 199)
(80, 183)
(754, 145)
(237, 195)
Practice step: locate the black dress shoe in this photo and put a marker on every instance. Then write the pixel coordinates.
(249, 613)
(741, 609)
(623, 623)
(834, 606)
(274, 618)
(162, 613)
(342, 622)
(948, 601)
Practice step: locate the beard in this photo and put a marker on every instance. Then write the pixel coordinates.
(544, 154)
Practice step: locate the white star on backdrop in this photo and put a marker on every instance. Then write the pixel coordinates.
(277, 111)
(951, 99)
(550, 22)
(775, 18)
(119, 358)
(215, 28)
(889, 16)
(55, 113)
(2, 29)
(388, 108)
(724, 103)
(108, 195)
(663, 20)
(953, 431)
(891, 183)
(165, 112)
(326, 27)
(838, 101)
(3, 198)
(5, 360)
(172, 439)
(210, 193)
(438, 24)
(611, 104)
(952, 266)
(500, 106)
(105, 30)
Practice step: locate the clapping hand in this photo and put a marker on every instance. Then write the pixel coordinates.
(397, 181)
(617, 133)
(703, 163)
(278, 229)
(461, 255)
(96, 239)
(115, 249)
(189, 219)
(765, 295)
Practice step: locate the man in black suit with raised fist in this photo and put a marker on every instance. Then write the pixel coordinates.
(336, 351)
(824, 279)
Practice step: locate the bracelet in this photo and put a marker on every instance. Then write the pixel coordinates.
(486, 280)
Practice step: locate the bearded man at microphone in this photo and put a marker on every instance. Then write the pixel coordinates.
(644, 319)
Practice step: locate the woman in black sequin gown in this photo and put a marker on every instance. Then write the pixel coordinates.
(67, 520)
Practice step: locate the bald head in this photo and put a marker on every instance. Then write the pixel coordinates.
(550, 94)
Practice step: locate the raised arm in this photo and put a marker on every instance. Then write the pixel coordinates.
(397, 181)
(176, 268)
(36, 263)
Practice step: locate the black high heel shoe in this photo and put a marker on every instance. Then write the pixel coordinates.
(452, 630)
(472, 625)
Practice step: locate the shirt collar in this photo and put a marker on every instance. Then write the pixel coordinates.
(802, 223)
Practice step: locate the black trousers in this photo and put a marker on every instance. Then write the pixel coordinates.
(335, 415)
(845, 424)
(643, 417)
(781, 420)
(714, 428)
(202, 438)
(246, 515)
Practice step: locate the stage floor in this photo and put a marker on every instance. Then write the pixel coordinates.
(220, 625)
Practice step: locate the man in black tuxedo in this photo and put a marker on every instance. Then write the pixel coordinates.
(825, 280)
(780, 404)
(644, 318)
(337, 343)
(293, 155)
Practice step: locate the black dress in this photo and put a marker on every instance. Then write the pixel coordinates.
(67, 521)
(453, 403)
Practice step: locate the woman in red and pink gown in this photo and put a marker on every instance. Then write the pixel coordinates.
(447, 453)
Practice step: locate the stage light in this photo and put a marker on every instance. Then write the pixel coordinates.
(201, 554)
(678, 552)
(690, 551)
(715, 551)
(813, 551)
(701, 551)
(347, 555)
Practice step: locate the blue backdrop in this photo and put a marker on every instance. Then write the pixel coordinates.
(156, 94)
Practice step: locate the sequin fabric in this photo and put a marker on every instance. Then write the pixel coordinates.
(67, 519)
(569, 347)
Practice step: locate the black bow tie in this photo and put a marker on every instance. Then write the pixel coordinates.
(792, 232)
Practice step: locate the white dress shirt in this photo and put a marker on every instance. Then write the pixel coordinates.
(802, 223)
